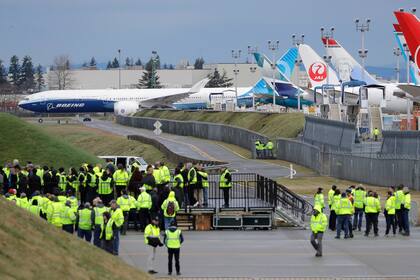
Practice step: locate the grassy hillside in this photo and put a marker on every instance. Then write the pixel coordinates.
(286, 125)
(27, 142)
(33, 249)
(99, 142)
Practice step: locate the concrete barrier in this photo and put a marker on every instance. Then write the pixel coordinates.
(212, 131)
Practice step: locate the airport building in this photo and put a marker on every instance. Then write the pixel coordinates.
(248, 75)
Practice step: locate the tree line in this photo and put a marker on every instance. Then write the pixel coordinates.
(21, 77)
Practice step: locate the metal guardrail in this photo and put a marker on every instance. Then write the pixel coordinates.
(251, 191)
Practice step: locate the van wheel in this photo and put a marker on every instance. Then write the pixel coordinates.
(40, 120)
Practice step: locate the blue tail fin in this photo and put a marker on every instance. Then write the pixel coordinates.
(286, 63)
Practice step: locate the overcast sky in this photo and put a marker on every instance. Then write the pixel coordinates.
(185, 29)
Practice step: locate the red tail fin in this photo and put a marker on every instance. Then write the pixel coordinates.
(410, 26)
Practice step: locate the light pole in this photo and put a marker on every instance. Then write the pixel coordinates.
(363, 28)
(296, 41)
(397, 53)
(327, 59)
(327, 35)
(274, 46)
(119, 68)
(407, 53)
(298, 62)
(235, 55)
(253, 68)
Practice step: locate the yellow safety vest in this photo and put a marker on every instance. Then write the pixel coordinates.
(223, 182)
(319, 223)
(104, 186)
(151, 231)
(390, 205)
(173, 239)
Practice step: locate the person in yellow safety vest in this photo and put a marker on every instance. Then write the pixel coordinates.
(132, 214)
(376, 133)
(152, 238)
(192, 183)
(372, 209)
(333, 210)
(34, 208)
(259, 148)
(344, 211)
(73, 200)
(125, 204)
(22, 201)
(81, 177)
(331, 193)
(68, 217)
(91, 184)
(225, 184)
(164, 173)
(62, 179)
(40, 173)
(399, 201)
(359, 205)
(203, 177)
(73, 182)
(98, 210)
(269, 149)
(389, 212)
(157, 173)
(319, 199)
(44, 202)
(178, 186)
(173, 239)
(54, 212)
(61, 197)
(144, 204)
(98, 170)
(107, 233)
(406, 206)
(106, 187)
(117, 216)
(318, 224)
(85, 222)
(121, 178)
(169, 207)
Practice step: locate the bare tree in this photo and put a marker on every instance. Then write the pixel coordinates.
(61, 72)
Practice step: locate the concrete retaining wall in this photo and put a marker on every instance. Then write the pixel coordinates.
(219, 132)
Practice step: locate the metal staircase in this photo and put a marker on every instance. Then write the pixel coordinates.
(375, 117)
(335, 112)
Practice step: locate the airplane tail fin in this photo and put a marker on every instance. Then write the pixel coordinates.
(346, 66)
(316, 67)
(265, 64)
(399, 37)
(199, 85)
(410, 26)
(262, 87)
(286, 63)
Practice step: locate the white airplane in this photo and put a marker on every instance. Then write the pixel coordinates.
(350, 74)
(126, 101)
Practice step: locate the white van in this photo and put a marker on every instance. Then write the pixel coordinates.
(127, 161)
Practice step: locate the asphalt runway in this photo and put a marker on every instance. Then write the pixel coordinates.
(282, 253)
(199, 149)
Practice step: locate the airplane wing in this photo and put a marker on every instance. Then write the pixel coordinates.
(168, 100)
(413, 90)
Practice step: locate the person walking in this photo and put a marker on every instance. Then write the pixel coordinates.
(333, 210)
(319, 199)
(152, 239)
(319, 224)
(389, 212)
(225, 184)
(173, 239)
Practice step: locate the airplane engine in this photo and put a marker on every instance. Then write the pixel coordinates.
(125, 108)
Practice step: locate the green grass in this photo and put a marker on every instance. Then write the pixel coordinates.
(33, 249)
(99, 142)
(287, 125)
(26, 142)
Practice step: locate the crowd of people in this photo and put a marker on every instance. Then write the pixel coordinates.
(346, 210)
(98, 203)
